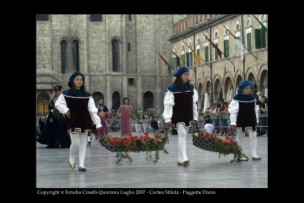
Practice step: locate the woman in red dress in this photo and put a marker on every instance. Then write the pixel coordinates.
(125, 113)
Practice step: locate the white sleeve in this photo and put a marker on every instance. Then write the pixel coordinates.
(195, 98)
(257, 107)
(61, 104)
(93, 112)
(233, 109)
(168, 106)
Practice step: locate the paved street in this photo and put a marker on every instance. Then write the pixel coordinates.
(206, 169)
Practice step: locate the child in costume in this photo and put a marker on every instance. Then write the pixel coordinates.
(244, 117)
(81, 113)
(179, 109)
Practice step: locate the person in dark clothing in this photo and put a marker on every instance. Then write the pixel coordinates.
(244, 117)
(54, 133)
(180, 109)
(154, 124)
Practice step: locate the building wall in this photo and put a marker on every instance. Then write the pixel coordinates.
(222, 74)
(147, 34)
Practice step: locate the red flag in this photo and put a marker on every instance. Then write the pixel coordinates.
(177, 59)
(166, 62)
(215, 47)
(230, 32)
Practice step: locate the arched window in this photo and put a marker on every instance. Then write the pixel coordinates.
(237, 25)
(206, 35)
(226, 31)
(64, 46)
(216, 34)
(42, 104)
(75, 54)
(260, 18)
(248, 22)
(115, 100)
(115, 55)
(148, 100)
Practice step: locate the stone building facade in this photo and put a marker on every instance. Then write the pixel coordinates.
(214, 75)
(117, 54)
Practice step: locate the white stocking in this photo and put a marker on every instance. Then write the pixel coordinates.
(240, 136)
(253, 141)
(82, 148)
(182, 131)
(74, 146)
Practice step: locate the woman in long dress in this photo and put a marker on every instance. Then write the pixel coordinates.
(125, 113)
(55, 134)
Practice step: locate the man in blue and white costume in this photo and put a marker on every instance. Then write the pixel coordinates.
(81, 113)
(244, 116)
(180, 108)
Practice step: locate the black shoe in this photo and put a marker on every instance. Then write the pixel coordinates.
(186, 163)
(256, 158)
(179, 163)
(82, 169)
(244, 157)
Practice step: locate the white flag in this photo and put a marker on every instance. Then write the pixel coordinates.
(240, 49)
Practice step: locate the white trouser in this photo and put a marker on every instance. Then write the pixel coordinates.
(252, 137)
(78, 142)
(182, 132)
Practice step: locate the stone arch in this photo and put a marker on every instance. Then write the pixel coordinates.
(75, 51)
(207, 85)
(115, 100)
(43, 99)
(96, 96)
(252, 78)
(200, 92)
(263, 80)
(228, 86)
(217, 89)
(248, 72)
(64, 56)
(208, 89)
(116, 54)
(45, 81)
(238, 79)
(148, 99)
(64, 39)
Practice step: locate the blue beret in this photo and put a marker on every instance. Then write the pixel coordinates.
(73, 76)
(181, 71)
(244, 84)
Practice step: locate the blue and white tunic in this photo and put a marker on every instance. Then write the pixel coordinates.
(244, 111)
(180, 107)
